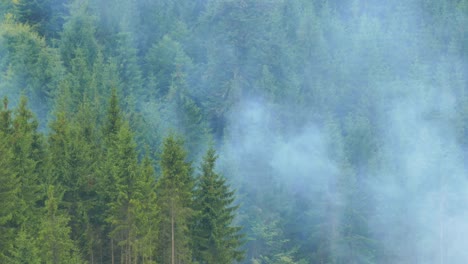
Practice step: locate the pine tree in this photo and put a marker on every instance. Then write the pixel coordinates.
(126, 179)
(216, 240)
(108, 184)
(114, 119)
(276, 249)
(74, 159)
(27, 65)
(9, 183)
(182, 112)
(25, 249)
(59, 151)
(54, 235)
(128, 190)
(127, 65)
(147, 213)
(175, 194)
(5, 118)
(28, 163)
(46, 15)
(78, 35)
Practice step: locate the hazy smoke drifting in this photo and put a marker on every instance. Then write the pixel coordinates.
(418, 190)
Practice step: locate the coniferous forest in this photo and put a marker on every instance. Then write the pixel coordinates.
(234, 131)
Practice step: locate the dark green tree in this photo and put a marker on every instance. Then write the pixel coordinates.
(78, 35)
(113, 121)
(216, 238)
(46, 16)
(54, 235)
(28, 66)
(28, 163)
(175, 199)
(9, 184)
(25, 249)
(126, 181)
(146, 213)
(74, 159)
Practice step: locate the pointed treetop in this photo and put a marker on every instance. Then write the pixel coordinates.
(114, 118)
(5, 103)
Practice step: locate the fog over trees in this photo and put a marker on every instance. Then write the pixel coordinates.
(234, 131)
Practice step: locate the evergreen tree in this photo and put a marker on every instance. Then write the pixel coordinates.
(147, 213)
(108, 185)
(127, 66)
(126, 180)
(54, 235)
(78, 35)
(28, 163)
(9, 184)
(186, 116)
(25, 249)
(74, 158)
(175, 195)
(5, 118)
(113, 121)
(276, 245)
(59, 151)
(216, 240)
(45, 15)
(28, 66)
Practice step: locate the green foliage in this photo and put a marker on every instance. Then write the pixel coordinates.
(110, 78)
(128, 69)
(174, 196)
(46, 16)
(166, 61)
(28, 162)
(25, 249)
(113, 121)
(74, 160)
(78, 36)
(147, 213)
(128, 194)
(54, 235)
(27, 65)
(216, 240)
(276, 251)
(9, 185)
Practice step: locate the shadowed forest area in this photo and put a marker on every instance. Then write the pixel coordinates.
(234, 131)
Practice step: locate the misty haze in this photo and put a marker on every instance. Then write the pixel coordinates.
(234, 131)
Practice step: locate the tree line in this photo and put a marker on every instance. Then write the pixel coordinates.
(269, 84)
(81, 194)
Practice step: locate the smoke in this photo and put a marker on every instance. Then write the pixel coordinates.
(348, 79)
(421, 194)
(416, 190)
(419, 191)
(298, 158)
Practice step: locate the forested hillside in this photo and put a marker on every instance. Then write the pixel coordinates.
(234, 131)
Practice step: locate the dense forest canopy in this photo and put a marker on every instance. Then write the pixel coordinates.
(233, 131)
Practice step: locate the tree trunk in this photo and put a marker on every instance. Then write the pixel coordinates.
(172, 233)
(112, 250)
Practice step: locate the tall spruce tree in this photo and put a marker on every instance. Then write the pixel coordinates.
(108, 184)
(74, 158)
(28, 163)
(114, 119)
(54, 235)
(216, 239)
(175, 198)
(25, 249)
(123, 165)
(147, 213)
(8, 183)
